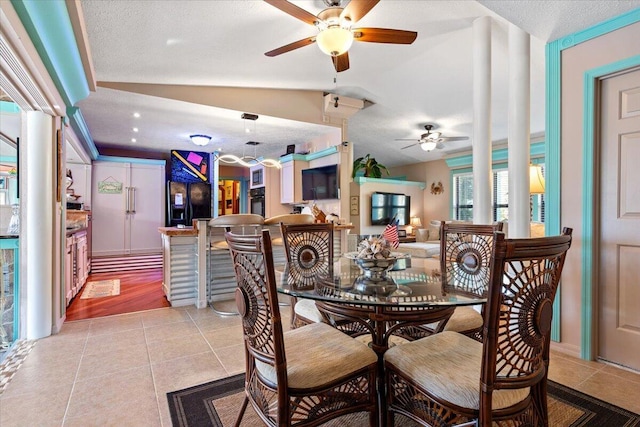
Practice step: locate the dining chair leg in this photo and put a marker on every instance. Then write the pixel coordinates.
(244, 408)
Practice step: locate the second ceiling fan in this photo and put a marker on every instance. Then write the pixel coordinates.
(336, 34)
(431, 140)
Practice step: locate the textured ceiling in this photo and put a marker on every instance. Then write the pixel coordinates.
(222, 43)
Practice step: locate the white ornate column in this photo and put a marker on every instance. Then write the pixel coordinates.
(519, 130)
(482, 177)
(37, 192)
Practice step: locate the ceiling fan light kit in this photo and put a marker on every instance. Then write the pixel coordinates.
(336, 34)
(335, 40)
(429, 145)
(431, 140)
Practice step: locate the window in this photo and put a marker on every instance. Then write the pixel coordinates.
(463, 197)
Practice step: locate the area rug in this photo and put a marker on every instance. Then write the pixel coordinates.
(101, 288)
(217, 404)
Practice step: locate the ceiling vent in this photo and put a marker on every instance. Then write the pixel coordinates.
(341, 106)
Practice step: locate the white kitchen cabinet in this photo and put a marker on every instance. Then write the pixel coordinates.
(68, 270)
(82, 260)
(127, 208)
(291, 181)
(76, 264)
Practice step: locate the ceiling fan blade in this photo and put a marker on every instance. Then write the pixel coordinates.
(453, 138)
(408, 146)
(407, 139)
(384, 35)
(439, 146)
(357, 9)
(291, 46)
(341, 62)
(293, 10)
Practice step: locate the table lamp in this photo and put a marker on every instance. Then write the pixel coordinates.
(415, 223)
(536, 184)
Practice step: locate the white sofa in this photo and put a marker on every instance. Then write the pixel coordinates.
(427, 244)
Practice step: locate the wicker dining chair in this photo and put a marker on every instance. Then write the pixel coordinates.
(309, 250)
(322, 375)
(465, 258)
(451, 379)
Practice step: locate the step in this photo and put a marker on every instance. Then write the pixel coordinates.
(126, 263)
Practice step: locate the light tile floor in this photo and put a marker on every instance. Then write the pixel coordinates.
(117, 370)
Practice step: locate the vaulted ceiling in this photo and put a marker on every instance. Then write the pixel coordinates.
(222, 43)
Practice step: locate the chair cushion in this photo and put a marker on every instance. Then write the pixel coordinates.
(464, 319)
(317, 354)
(307, 308)
(236, 219)
(290, 219)
(448, 365)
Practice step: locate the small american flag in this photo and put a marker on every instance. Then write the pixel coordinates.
(390, 234)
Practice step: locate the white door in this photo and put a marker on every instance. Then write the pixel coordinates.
(108, 208)
(147, 206)
(619, 277)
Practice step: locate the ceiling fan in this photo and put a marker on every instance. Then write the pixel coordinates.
(431, 140)
(336, 34)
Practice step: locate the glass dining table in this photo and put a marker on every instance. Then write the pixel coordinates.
(408, 304)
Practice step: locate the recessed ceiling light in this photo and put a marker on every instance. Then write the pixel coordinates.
(135, 129)
(133, 140)
(136, 115)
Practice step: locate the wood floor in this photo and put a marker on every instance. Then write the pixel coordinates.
(139, 290)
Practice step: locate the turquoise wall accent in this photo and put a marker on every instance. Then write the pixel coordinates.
(82, 131)
(361, 180)
(498, 155)
(131, 160)
(50, 30)
(9, 107)
(553, 167)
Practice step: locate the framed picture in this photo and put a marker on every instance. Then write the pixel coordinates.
(402, 233)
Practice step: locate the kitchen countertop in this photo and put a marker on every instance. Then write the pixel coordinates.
(175, 231)
(71, 231)
(343, 227)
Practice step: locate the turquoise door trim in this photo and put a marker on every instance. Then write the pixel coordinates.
(553, 126)
(589, 208)
(49, 28)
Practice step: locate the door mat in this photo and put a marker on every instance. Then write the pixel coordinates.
(217, 403)
(101, 288)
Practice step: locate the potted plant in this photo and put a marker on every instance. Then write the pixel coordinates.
(371, 168)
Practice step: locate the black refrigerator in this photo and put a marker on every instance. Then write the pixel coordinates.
(187, 201)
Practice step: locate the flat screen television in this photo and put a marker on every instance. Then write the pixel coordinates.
(386, 207)
(320, 183)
